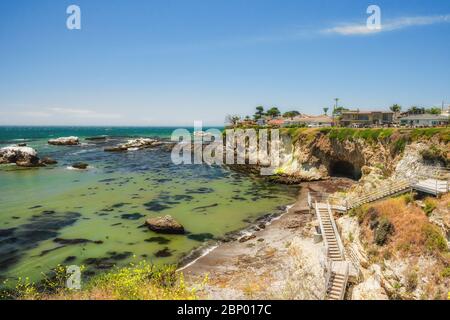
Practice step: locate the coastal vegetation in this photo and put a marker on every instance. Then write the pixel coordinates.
(398, 234)
(140, 281)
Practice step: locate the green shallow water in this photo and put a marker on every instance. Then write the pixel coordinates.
(108, 204)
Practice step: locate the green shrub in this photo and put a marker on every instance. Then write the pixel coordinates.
(382, 232)
(446, 272)
(435, 153)
(430, 205)
(435, 241)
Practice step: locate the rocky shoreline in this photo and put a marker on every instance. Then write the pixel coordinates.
(261, 263)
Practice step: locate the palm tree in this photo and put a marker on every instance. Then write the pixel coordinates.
(325, 110)
(395, 108)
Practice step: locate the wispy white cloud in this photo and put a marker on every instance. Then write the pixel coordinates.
(348, 29)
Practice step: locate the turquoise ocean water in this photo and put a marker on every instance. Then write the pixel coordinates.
(57, 215)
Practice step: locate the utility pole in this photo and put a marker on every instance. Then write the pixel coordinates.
(334, 109)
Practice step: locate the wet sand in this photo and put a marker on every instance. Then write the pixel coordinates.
(280, 261)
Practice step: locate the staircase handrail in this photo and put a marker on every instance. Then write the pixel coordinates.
(338, 237)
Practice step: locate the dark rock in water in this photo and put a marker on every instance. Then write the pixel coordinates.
(158, 240)
(115, 149)
(7, 232)
(201, 236)
(69, 259)
(156, 206)
(165, 224)
(201, 190)
(119, 205)
(21, 144)
(35, 207)
(40, 227)
(48, 161)
(80, 165)
(48, 212)
(183, 197)
(131, 216)
(120, 256)
(163, 253)
(116, 224)
(75, 241)
(99, 138)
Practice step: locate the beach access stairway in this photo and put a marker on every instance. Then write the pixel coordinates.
(435, 182)
(338, 267)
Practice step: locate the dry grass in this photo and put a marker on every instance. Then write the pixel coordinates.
(413, 233)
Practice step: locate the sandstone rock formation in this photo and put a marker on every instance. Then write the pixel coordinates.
(165, 224)
(64, 141)
(21, 156)
(134, 144)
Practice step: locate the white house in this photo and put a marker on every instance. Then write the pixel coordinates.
(424, 120)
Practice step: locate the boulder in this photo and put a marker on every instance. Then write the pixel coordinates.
(165, 224)
(80, 165)
(65, 141)
(21, 156)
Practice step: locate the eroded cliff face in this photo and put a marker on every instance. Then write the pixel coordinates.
(318, 156)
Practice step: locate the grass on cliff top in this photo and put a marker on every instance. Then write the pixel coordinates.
(141, 281)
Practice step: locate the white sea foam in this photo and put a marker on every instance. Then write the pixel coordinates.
(205, 252)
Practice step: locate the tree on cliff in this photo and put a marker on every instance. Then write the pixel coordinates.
(273, 112)
(395, 108)
(291, 114)
(434, 110)
(232, 119)
(325, 110)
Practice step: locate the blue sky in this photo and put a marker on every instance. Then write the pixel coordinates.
(170, 62)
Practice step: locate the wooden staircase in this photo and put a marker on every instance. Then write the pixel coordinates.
(329, 234)
(337, 285)
(388, 190)
(337, 269)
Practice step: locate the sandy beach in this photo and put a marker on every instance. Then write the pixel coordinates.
(279, 261)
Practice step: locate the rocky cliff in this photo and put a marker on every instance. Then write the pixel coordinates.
(315, 154)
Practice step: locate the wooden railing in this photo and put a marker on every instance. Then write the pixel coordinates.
(344, 286)
(336, 232)
(322, 229)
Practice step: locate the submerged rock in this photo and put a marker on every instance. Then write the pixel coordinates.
(48, 161)
(99, 138)
(64, 141)
(80, 165)
(165, 224)
(21, 156)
